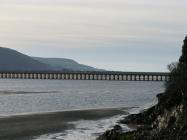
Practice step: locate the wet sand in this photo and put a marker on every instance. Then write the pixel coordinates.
(24, 127)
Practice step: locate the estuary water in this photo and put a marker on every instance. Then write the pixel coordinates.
(36, 96)
(18, 97)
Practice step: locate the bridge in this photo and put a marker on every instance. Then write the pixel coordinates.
(96, 75)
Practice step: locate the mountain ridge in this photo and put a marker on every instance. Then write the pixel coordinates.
(12, 60)
(65, 63)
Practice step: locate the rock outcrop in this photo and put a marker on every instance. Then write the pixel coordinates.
(168, 119)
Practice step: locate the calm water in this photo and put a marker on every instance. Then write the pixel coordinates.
(33, 96)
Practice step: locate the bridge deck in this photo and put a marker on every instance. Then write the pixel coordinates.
(96, 75)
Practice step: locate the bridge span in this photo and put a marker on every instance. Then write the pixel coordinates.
(96, 75)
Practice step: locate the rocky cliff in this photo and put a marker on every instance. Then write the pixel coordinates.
(168, 119)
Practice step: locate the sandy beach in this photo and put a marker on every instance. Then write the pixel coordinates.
(24, 127)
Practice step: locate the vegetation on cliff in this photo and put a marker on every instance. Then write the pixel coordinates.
(168, 119)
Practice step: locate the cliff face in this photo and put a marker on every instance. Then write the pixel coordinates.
(168, 119)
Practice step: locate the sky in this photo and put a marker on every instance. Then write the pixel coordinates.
(119, 35)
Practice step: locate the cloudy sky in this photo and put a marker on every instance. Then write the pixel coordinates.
(126, 35)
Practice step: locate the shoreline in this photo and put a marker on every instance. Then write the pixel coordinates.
(28, 126)
(125, 109)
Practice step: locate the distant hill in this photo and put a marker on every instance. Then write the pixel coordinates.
(63, 63)
(12, 60)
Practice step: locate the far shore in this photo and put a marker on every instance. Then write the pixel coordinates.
(24, 127)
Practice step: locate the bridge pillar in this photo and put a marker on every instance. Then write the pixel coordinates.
(21, 75)
(46, 76)
(91, 76)
(94, 76)
(86, 76)
(11, 75)
(78, 77)
(111, 77)
(62, 76)
(128, 77)
(6, 75)
(136, 77)
(115, 77)
(43, 76)
(107, 77)
(25, 74)
(150, 77)
(159, 78)
(102, 77)
(30, 76)
(143, 77)
(54, 76)
(70, 76)
(146, 78)
(99, 77)
(123, 77)
(154, 78)
(83, 77)
(139, 78)
(14, 75)
(50, 76)
(74, 76)
(162, 78)
(65, 77)
(58, 76)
